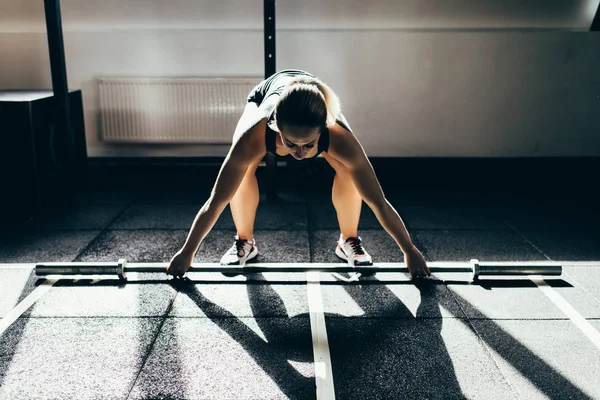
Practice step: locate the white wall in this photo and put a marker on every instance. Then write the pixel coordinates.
(416, 77)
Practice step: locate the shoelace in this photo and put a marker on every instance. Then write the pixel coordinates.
(356, 245)
(239, 248)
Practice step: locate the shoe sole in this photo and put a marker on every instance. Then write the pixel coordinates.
(252, 255)
(340, 253)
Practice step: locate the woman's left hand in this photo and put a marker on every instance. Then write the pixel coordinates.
(416, 264)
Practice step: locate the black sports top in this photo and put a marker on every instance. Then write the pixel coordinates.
(275, 84)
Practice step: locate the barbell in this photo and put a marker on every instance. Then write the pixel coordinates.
(475, 268)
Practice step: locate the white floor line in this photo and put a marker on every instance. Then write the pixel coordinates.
(578, 319)
(27, 302)
(17, 266)
(323, 371)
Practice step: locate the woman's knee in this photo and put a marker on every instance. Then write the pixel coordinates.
(343, 177)
(251, 171)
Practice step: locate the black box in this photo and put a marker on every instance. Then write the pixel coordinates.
(41, 166)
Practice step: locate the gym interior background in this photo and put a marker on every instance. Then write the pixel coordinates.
(474, 93)
(480, 117)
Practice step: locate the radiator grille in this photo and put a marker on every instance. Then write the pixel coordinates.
(172, 110)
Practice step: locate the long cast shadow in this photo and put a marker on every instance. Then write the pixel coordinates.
(375, 353)
(486, 284)
(10, 339)
(151, 388)
(292, 341)
(392, 353)
(265, 301)
(289, 338)
(545, 377)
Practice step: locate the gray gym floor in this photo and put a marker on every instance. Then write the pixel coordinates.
(220, 337)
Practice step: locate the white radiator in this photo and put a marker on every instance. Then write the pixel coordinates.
(172, 110)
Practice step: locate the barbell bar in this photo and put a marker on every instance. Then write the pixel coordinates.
(475, 268)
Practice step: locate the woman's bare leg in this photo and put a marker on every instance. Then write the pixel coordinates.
(244, 203)
(346, 199)
(347, 202)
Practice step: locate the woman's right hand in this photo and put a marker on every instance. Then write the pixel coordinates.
(417, 266)
(180, 263)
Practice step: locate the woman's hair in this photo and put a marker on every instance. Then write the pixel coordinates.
(307, 102)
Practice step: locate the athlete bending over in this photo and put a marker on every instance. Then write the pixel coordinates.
(294, 113)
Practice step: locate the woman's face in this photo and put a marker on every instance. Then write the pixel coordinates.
(300, 141)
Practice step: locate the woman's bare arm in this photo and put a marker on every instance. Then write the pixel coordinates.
(247, 148)
(346, 148)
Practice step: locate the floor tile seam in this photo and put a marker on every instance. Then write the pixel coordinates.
(486, 347)
(511, 226)
(49, 229)
(166, 204)
(483, 344)
(200, 205)
(100, 233)
(92, 316)
(469, 229)
(107, 204)
(496, 362)
(416, 229)
(498, 229)
(583, 288)
(518, 319)
(306, 317)
(529, 242)
(350, 317)
(152, 343)
(223, 229)
(560, 230)
(320, 229)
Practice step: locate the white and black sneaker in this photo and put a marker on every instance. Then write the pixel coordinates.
(241, 251)
(352, 251)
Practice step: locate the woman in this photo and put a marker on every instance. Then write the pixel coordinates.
(294, 113)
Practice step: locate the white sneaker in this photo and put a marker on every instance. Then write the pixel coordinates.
(351, 250)
(241, 251)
